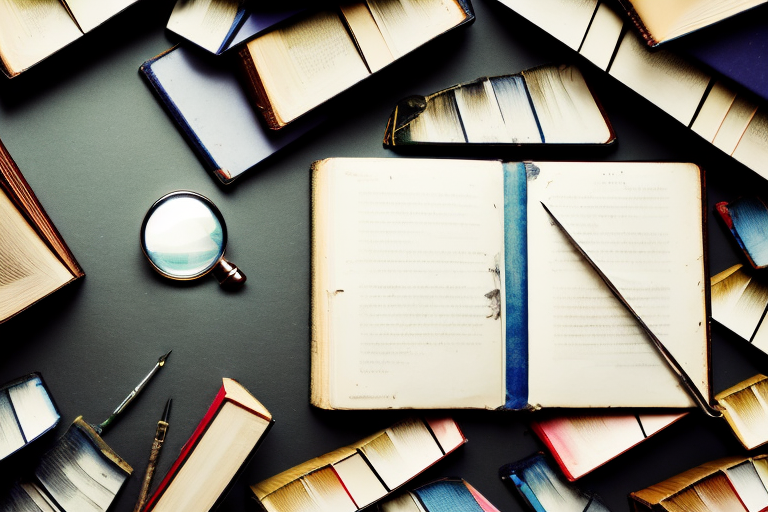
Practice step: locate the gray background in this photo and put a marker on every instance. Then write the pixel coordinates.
(98, 149)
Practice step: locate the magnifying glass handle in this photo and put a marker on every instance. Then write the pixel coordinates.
(228, 275)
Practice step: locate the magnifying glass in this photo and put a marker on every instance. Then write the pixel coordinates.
(184, 236)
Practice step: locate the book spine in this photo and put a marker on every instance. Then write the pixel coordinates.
(255, 89)
(638, 22)
(320, 302)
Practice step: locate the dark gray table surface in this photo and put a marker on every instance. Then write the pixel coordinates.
(98, 149)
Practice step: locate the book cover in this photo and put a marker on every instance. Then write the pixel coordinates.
(542, 489)
(356, 476)
(726, 117)
(431, 260)
(209, 107)
(294, 68)
(36, 259)
(445, 495)
(27, 412)
(583, 441)
(735, 484)
(543, 105)
(217, 452)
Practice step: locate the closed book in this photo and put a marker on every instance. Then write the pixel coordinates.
(220, 447)
(445, 495)
(430, 277)
(35, 259)
(296, 67)
(356, 476)
(27, 411)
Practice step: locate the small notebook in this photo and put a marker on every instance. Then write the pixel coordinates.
(747, 219)
(543, 489)
(544, 105)
(208, 105)
(429, 278)
(584, 441)
(446, 495)
(728, 119)
(27, 411)
(356, 476)
(81, 473)
(218, 25)
(734, 484)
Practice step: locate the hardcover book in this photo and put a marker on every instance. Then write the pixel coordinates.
(219, 449)
(429, 278)
(728, 119)
(543, 105)
(27, 412)
(35, 260)
(734, 484)
(296, 67)
(81, 473)
(659, 21)
(217, 25)
(581, 442)
(32, 31)
(446, 495)
(356, 476)
(747, 219)
(544, 490)
(211, 110)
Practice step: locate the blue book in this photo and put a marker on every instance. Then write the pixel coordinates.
(27, 411)
(544, 489)
(446, 495)
(747, 219)
(445, 284)
(212, 111)
(219, 25)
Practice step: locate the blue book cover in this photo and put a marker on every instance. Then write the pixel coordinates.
(213, 112)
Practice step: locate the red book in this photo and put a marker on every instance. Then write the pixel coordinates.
(221, 446)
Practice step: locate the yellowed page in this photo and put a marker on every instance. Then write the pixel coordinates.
(407, 24)
(204, 22)
(31, 30)
(603, 37)
(28, 269)
(306, 63)
(713, 111)
(368, 36)
(567, 20)
(735, 124)
(414, 246)
(640, 222)
(667, 81)
(752, 150)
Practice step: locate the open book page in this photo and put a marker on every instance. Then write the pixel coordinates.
(204, 22)
(28, 268)
(407, 24)
(567, 20)
(31, 30)
(641, 224)
(414, 254)
(92, 13)
(306, 63)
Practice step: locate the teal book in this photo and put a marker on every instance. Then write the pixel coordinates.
(432, 278)
(446, 495)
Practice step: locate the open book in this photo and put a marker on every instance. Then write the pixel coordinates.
(430, 277)
(661, 20)
(30, 31)
(542, 105)
(730, 120)
(298, 66)
(34, 260)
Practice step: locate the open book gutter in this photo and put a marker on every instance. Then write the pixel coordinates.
(702, 402)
